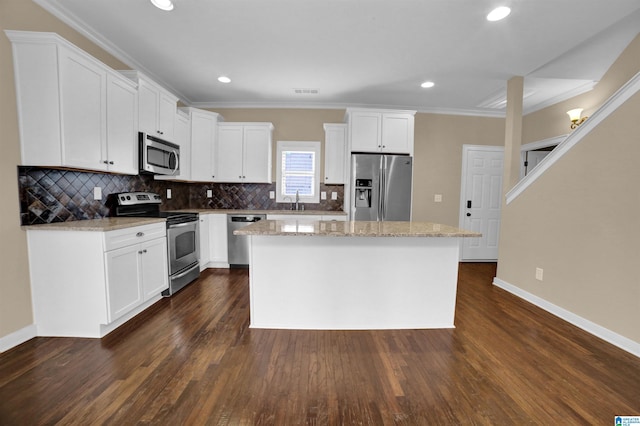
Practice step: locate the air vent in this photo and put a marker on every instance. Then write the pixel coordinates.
(305, 91)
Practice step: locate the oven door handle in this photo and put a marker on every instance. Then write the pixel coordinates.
(175, 277)
(180, 225)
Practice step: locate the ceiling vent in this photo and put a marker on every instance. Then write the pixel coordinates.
(305, 91)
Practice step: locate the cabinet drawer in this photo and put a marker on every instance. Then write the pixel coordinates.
(138, 234)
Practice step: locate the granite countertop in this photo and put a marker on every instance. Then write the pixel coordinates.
(99, 225)
(288, 212)
(313, 228)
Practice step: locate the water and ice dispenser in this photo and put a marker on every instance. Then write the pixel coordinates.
(363, 192)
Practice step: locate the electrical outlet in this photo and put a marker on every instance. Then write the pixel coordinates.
(168, 193)
(209, 193)
(97, 193)
(323, 195)
(272, 194)
(334, 195)
(437, 198)
(539, 274)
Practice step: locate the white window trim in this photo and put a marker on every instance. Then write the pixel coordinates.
(298, 146)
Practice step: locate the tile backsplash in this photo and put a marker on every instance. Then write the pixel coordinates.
(59, 195)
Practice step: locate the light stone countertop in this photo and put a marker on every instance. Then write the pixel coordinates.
(313, 228)
(278, 212)
(96, 225)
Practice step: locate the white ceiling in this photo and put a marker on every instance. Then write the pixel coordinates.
(362, 52)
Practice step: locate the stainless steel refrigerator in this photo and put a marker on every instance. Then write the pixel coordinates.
(381, 187)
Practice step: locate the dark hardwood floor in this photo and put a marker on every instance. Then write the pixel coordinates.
(192, 360)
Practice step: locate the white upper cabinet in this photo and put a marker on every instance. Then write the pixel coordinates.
(122, 125)
(382, 131)
(73, 110)
(243, 152)
(157, 107)
(335, 153)
(203, 129)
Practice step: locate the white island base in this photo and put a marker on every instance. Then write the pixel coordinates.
(353, 282)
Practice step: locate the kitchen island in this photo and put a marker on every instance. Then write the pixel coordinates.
(330, 275)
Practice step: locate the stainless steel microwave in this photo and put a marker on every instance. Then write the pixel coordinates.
(158, 156)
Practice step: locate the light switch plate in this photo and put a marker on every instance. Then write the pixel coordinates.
(334, 195)
(323, 195)
(97, 193)
(168, 193)
(209, 193)
(272, 194)
(437, 198)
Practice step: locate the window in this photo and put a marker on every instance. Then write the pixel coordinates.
(298, 171)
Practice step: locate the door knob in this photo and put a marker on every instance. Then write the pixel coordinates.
(468, 214)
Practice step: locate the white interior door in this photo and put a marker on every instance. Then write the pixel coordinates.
(533, 158)
(481, 201)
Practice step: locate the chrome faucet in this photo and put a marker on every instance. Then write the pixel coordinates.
(297, 200)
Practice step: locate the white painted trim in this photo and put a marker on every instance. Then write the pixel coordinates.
(611, 104)
(543, 143)
(18, 337)
(605, 334)
(463, 188)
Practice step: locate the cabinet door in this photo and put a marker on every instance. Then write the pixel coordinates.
(182, 136)
(257, 154)
(203, 129)
(228, 153)
(205, 250)
(218, 238)
(397, 133)
(366, 131)
(335, 150)
(123, 280)
(122, 126)
(148, 101)
(155, 277)
(83, 103)
(166, 116)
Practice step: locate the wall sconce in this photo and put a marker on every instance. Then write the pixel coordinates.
(574, 116)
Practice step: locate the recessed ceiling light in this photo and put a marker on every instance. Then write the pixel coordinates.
(163, 4)
(224, 79)
(498, 13)
(427, 84)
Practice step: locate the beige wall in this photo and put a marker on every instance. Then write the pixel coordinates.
(438, 161)
(15, 295)
(579, 221)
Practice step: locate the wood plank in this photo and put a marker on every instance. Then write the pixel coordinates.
(192, 359)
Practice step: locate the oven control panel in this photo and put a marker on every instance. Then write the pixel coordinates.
(135, 198)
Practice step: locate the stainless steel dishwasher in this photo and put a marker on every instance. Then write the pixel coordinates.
(238, 245)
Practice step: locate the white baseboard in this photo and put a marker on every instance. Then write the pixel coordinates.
(588, 326)
(17, 337)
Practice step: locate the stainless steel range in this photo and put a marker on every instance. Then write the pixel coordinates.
(182, 234)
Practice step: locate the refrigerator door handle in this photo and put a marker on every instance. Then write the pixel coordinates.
(382, 190)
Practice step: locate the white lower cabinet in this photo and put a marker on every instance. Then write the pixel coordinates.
(307, 217)
(87, 283)
(213, 241)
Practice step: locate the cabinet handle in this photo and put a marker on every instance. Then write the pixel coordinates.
(105, 162)
(140, 234)
(110, 162)
(139, 251)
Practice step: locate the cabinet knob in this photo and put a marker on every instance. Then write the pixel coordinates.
(110, 162)
(139, 251)
(140, 234)
(105, 162)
